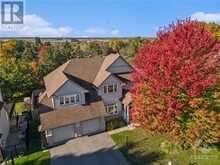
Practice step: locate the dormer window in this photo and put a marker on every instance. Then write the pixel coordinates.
(70, 99)
(110, 88)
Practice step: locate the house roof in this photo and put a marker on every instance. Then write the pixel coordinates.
(84, 68)
(124, 76)
(103, 74)
(45, 103)
(90, 70)
(71, 115)
(55, 79)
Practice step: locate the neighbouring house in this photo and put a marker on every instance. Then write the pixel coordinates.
(81, 95)
(4, 122)
(12, 131)
(4, 127)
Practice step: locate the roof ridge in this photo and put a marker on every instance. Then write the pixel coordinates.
(90, 71)
(103, 73)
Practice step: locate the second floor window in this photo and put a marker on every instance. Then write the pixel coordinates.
(110, 88)
(70, 99)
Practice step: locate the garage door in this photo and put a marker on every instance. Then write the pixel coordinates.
(63, 133)
(91, 126)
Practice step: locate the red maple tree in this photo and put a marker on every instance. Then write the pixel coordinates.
(170, 72)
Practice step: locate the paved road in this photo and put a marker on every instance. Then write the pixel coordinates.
(94, 150)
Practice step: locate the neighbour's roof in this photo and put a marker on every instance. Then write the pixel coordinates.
(71, 115)
(90, 70)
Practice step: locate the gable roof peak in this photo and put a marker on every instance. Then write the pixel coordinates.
(91, 69)
(55, 79)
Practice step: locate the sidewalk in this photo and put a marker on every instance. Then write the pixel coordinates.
(126, 128)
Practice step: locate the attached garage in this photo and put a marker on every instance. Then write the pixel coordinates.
(61, 125)
(61, 134)
(58, 135)
(93, 126)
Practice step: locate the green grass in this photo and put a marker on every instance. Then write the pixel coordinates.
(142, 148)
(37, 158)
(19, 107)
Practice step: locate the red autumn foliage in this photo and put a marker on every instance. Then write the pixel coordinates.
(42, 53)
(34, 66)
(170, 72)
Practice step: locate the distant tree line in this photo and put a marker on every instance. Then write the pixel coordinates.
(23, 64)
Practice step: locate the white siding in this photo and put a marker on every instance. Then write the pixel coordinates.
(69, 88)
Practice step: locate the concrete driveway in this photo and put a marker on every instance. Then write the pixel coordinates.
(93, 150)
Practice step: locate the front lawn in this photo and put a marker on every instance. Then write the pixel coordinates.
(36, 158)
(141, 148)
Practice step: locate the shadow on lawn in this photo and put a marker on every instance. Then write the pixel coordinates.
(138, 157)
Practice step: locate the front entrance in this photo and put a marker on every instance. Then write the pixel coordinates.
(77, 130)
(125, 113)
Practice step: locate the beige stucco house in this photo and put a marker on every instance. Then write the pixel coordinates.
(80, 94)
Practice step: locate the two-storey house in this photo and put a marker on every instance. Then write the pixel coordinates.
(80, 94)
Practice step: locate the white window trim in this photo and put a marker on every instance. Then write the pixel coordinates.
(115, 88)
(115, 108)
(49, 133)
(69, 97)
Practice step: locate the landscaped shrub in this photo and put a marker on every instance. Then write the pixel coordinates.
(114, 123)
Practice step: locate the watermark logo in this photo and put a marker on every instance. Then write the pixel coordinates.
(12, 14)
